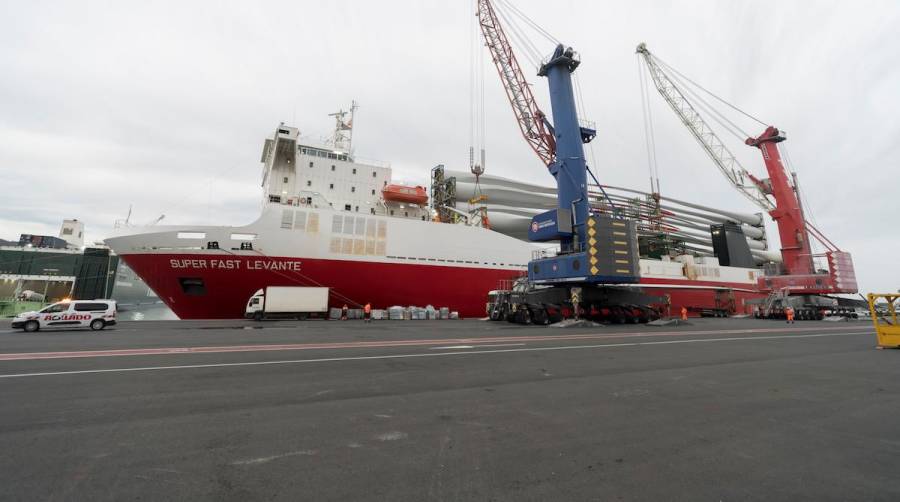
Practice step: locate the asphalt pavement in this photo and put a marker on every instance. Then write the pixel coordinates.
(449, 410)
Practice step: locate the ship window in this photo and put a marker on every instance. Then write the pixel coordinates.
(354, 170)
(353, 189)
(192, 286)
(243, 237)
(370, 228)
(385, 183)
(332, 156)
(332, 167)
(392, 212)
(287, 218)
(348, 225)
(372, 210)
(406, 213)
(360, 225)
(337, 224)
(331, 186)
(374, 174)
(300, 220)
(67, 231)
(373, 191)
(346, 207)
(191, 235)
(309, 183)
(285, 179)
(356, 209)
(274, 198)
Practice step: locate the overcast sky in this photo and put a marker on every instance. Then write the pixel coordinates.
(165, 105)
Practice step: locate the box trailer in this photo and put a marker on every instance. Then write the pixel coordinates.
(288, 302)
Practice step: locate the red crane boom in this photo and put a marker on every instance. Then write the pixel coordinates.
(532, 121)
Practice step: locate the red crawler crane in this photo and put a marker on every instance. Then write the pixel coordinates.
(799, 275)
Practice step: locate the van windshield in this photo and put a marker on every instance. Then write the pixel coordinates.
(56, 307)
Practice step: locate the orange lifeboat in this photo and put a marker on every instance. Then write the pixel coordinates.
(407, 194)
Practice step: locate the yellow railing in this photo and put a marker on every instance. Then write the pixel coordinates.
(887, 329)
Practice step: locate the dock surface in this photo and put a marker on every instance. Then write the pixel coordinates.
(737, 409)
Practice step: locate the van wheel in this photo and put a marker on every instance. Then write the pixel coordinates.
(97, 324)
(32, 326)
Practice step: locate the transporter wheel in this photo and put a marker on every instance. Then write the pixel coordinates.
(540, 317)
(32, 326)
(97, 324)
(257, 316)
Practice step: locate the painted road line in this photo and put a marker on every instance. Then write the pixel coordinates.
(423, 354)
(28, 356)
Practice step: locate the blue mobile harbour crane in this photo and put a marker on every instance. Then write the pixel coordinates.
(598, 254)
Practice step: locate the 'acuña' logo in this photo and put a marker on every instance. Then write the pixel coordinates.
(534, 226)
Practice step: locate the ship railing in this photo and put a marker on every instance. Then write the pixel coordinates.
(372, 162)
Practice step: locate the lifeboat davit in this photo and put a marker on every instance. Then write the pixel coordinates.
(403, 193)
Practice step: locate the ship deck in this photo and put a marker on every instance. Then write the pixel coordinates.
(456, 410)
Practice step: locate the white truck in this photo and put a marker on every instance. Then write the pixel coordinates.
(292, 302)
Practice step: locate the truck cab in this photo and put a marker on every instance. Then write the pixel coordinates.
(255, 306)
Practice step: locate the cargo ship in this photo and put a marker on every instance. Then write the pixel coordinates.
(331, 220)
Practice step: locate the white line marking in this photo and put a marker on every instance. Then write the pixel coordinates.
(436, 354)
(263, 460)
(454, 347)
(504, 345)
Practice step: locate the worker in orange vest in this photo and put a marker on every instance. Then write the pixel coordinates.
(344, 312)
(368, 312)
(789, 312)
(684, 313)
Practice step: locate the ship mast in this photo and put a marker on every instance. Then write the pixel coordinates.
(342, 138)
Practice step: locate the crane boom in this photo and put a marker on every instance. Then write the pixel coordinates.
(532, 121)
(704, 134)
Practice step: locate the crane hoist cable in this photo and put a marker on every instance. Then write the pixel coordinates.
(515, 10)
(649, 135)
(723, 101)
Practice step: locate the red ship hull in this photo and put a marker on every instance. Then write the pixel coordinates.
(226, 290)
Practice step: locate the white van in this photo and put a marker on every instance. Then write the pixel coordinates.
(96, 314)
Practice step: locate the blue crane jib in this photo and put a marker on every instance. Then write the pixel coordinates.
(593, 248)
